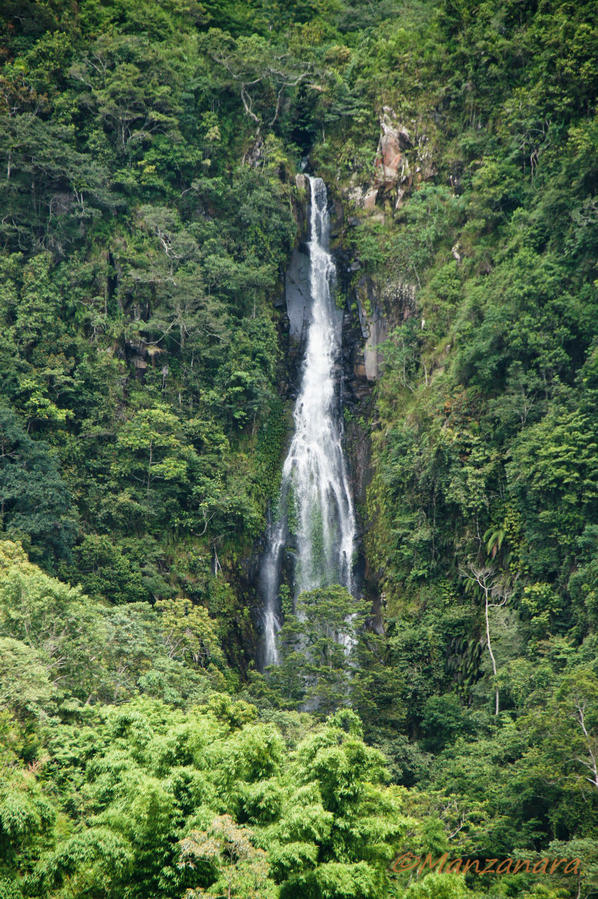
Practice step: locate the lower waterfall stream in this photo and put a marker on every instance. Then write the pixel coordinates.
(315, 509)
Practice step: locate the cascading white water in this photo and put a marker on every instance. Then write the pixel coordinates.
(315, 508)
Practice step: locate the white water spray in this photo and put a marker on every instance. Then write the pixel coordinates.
(315, 508)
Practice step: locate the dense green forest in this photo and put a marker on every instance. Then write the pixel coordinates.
(149, 207)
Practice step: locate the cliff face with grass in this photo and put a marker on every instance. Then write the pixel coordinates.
(151, 217)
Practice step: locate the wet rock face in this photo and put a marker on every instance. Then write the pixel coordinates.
(297, 294)
(295, 324)
(295, 298)
(380, 308)
(374, 331)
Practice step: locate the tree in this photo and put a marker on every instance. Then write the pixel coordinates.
(338, 805)
(153, 453)
(317, 640)
(261, 75)
(34, 500)
(189, 632)
(27, 818)
(25, 680)
(496, 593)
(240, 868)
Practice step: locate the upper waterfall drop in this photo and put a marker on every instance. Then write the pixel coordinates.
(315, 508)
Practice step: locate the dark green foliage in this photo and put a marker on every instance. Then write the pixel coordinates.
(485, 452)
(34, 500)
(315, 638)
(140, 261)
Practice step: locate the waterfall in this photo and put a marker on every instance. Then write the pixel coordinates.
(315, 510)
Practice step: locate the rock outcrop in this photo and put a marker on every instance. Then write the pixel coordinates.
(374, 331)
(402, 160)
(380, 308)
(391, 164)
